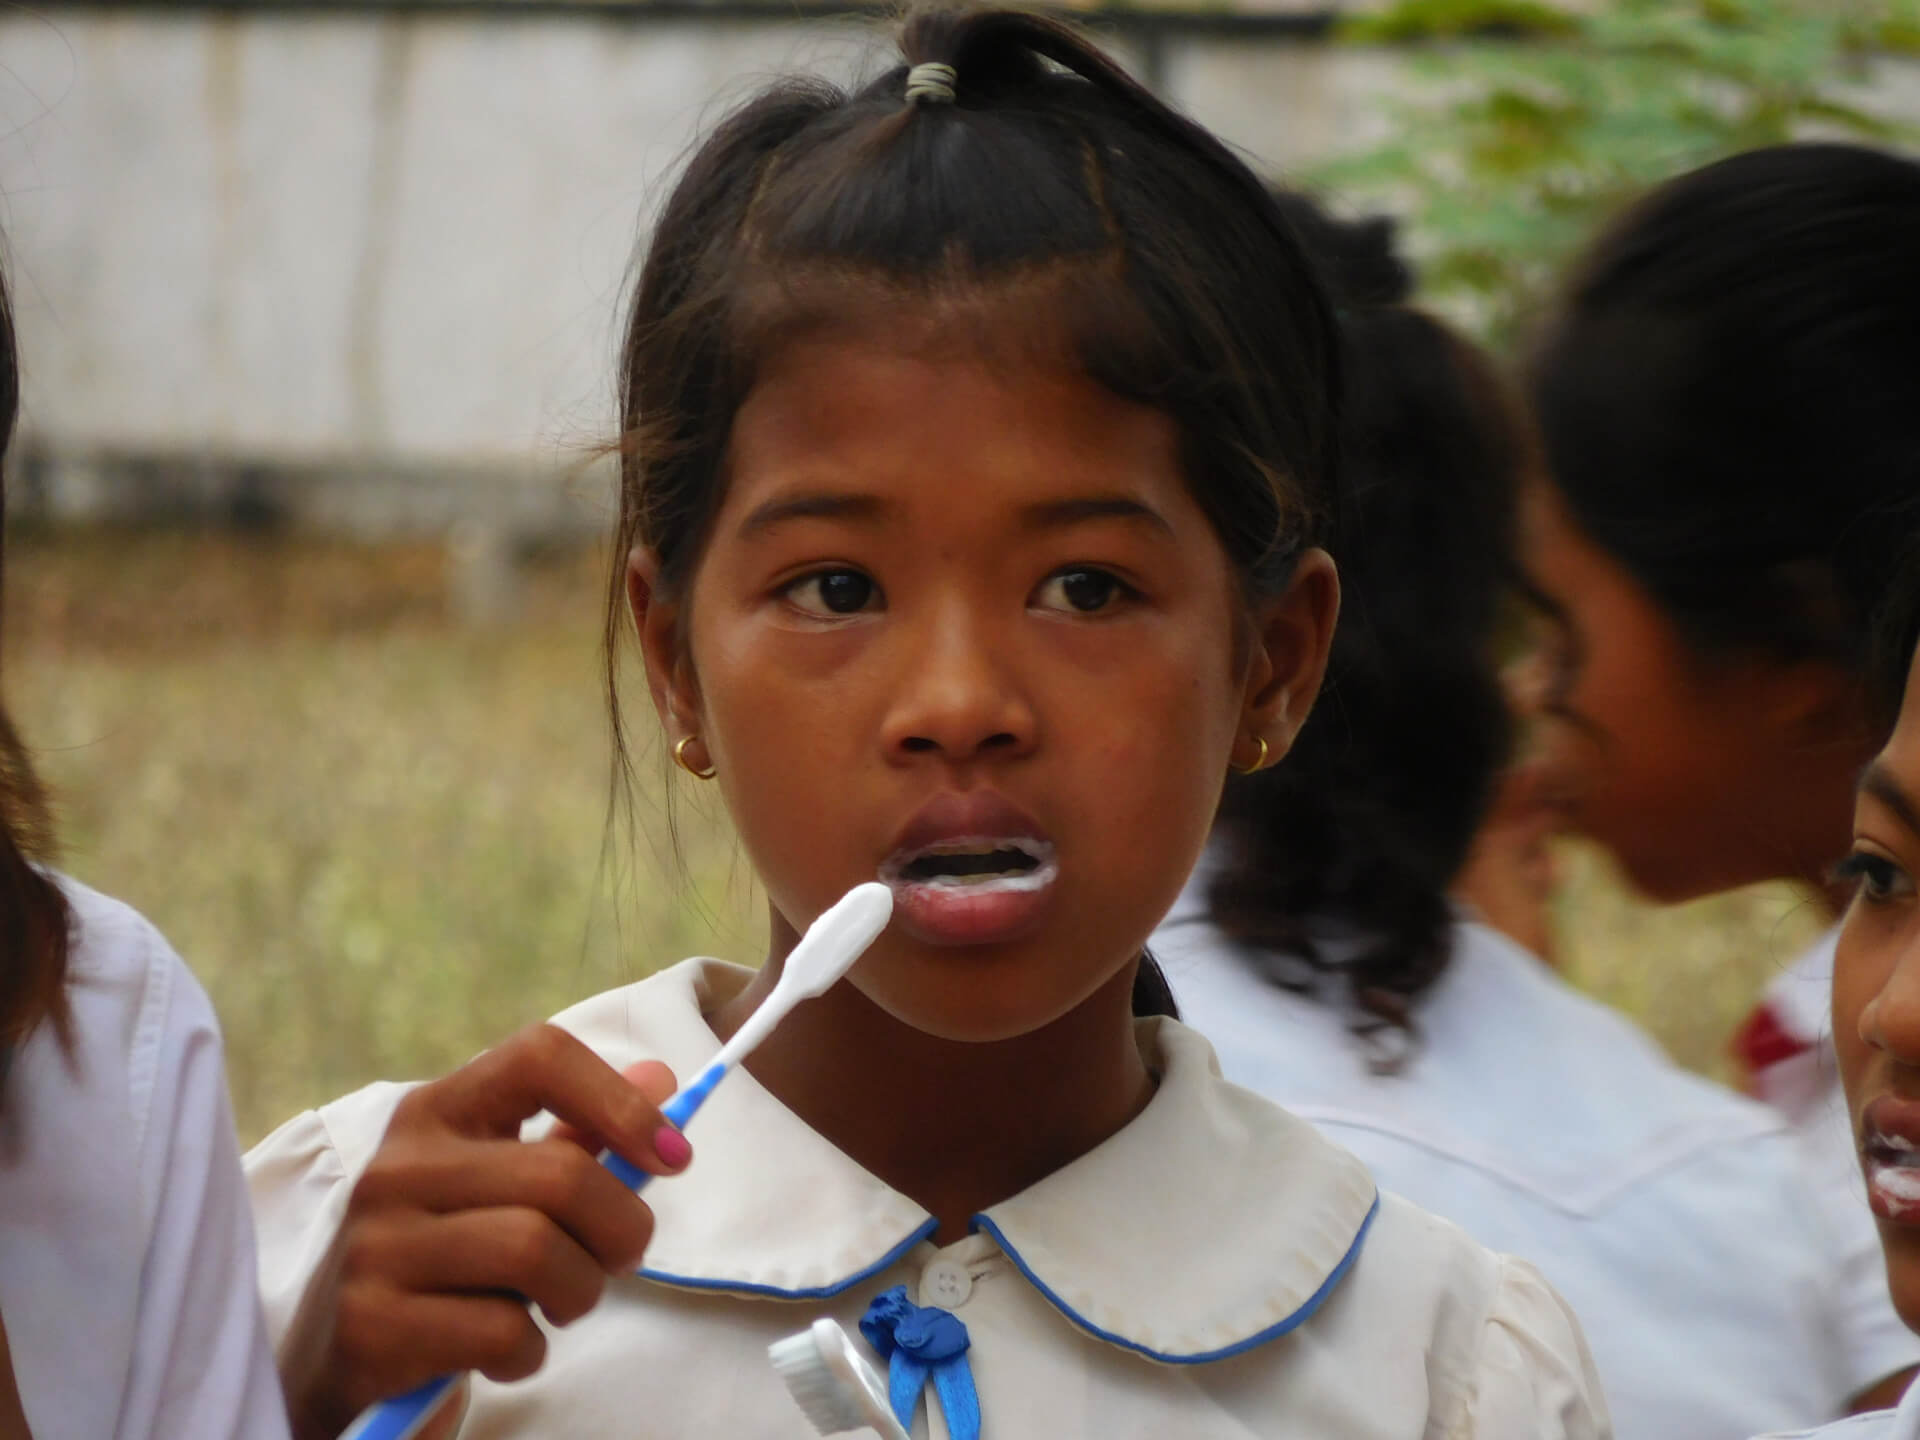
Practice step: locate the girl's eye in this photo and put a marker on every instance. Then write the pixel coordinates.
(832, 592)
(1879, 879)
(1082, 590)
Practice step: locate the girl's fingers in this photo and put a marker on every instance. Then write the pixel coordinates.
(653, 1080)
(508, 1251)
(455, 1227)
(390, 1341)
(545, 1068)
(553, 1178)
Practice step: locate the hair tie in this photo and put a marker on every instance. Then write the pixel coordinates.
(932, 82)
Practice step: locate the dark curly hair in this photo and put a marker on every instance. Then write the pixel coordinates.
(1363, 829)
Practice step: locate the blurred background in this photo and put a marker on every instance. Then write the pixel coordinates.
(317, 303)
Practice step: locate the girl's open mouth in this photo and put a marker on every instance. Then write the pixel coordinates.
(971, 890)
(975, 863)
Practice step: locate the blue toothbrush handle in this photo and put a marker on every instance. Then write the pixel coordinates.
(677, 1112)
(401, 1417)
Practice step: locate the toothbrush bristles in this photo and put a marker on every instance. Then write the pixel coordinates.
(821, 1395)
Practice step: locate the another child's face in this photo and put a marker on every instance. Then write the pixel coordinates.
(966, 630)
(1876, 998)
(1662, 752)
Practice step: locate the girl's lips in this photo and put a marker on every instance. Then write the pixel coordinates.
(958, 904)
(1890, 1158)
(981, 913)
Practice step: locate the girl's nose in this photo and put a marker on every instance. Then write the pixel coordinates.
(957, 696)
(1890, 1022)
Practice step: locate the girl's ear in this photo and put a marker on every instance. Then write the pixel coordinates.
(657, 620)
(1819, 705)
(1292, 637)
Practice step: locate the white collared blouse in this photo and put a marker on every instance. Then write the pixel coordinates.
(126, 1250)
(1215, 1271)
(1723, 1292)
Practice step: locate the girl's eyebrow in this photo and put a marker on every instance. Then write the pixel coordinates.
(1056, 514)
(817, 506)
(1878, 782)
(1046, 515)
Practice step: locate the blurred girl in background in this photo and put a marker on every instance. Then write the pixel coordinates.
(1321, 951)
(1730, 402)
(128, 1299)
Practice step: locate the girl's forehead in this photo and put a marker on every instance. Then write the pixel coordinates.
(871, 412)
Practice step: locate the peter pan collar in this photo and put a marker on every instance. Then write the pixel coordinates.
(1238, 1219)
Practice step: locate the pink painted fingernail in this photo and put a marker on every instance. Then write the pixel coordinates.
(672, 1147)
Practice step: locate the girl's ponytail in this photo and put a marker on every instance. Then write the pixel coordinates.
(1151, 993)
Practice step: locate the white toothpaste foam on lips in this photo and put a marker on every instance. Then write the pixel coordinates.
(1043, 873)
(1900, 1184)
(1893, 1172)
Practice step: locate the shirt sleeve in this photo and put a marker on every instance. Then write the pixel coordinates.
(202, 1364)
(1534, 1378)
(300, 1178)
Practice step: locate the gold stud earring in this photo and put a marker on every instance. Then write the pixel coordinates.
(680, 759)
(1259, 761)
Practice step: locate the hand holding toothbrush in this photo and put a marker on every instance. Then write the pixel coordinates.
(455, 1216)
(640, 1143)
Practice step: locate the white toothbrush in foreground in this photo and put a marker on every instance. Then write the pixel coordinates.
(828, 1380)
(825, 953)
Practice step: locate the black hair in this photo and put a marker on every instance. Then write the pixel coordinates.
(1896, 633)
(1336, 865)
(1729, 396)
(33, 914)
(1052, 205)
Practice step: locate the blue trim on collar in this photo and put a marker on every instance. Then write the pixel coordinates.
(736, 1287)
(1272, 1332)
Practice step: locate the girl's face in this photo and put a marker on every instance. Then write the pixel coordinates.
(966, 630)
(1698, 775)
(1876, 997)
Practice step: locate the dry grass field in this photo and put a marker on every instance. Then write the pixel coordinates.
(379, 836)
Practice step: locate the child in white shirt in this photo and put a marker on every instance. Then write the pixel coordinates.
(978, 429)
(1317, 949)
(129, 1306)
(1725, 392)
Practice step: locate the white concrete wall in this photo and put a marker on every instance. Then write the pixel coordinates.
(368, 242)
(314, 237)
(310, 238)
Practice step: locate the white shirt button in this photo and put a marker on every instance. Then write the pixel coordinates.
(945, 1284)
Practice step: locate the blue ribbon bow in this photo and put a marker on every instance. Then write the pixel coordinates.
(921, 1343)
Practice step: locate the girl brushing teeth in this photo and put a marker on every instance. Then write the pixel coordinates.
(979, 430)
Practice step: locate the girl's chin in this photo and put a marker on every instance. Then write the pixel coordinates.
(1902, 1246)
(997, 999)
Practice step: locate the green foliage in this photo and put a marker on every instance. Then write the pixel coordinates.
(1447, 19)
(1507, 152)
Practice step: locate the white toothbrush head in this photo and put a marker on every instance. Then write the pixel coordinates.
(832, 1385)
(837, 939)
(826, 952)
